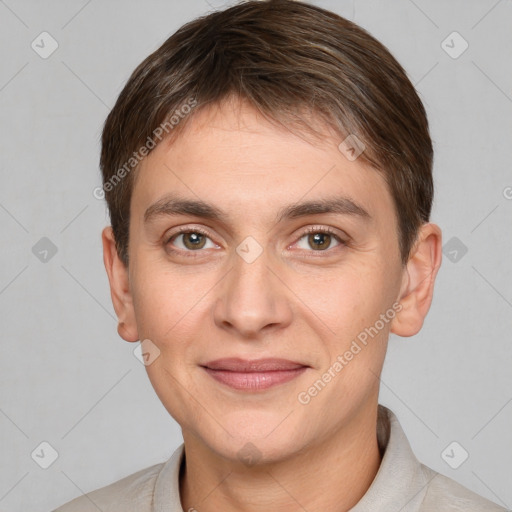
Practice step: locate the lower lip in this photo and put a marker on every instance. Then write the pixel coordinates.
(254, 381)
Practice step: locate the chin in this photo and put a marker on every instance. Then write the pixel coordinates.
(255, 438)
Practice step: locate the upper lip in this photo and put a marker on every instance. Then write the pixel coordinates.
(236, 364)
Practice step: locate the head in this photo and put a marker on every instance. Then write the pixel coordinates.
(268, 172)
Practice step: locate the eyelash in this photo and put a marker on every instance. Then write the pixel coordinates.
(312, 229)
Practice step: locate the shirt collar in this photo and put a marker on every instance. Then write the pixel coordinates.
(400, 483)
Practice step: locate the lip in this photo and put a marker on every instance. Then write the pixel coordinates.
(253, 375)
(237, 364)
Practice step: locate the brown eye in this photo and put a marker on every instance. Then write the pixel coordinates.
(190, 241)
(193, 240)
(319, 241)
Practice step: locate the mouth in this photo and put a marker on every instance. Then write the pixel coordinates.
(253, 375)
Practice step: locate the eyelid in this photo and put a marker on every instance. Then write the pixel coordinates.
(186, 229)
(341, 238)
(324, 229)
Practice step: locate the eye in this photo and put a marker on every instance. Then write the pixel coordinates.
(188, 239)
(319, 239)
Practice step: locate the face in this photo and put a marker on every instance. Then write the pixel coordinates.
(293, 257)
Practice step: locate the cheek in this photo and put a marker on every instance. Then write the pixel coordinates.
(351, 306)
(164, 304)
(173, 311)
(347, 301)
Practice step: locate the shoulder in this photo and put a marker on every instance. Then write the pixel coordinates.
(446, 495)
(133, 493)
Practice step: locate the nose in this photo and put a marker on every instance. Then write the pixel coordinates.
(252, 300)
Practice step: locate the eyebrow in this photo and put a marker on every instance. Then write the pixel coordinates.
(171, 206)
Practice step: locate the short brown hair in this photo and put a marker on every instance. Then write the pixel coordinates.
(284, 57)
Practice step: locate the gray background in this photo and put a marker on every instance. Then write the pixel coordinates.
(68, 379)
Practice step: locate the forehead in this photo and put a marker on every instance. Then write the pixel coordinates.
(229, 154)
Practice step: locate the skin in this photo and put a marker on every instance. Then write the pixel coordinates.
(294, 301)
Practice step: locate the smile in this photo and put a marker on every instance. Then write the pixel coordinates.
(255, 375)
(253, 381)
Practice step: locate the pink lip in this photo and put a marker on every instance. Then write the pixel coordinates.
(253, 375)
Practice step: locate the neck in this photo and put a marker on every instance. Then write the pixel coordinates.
(331, 474)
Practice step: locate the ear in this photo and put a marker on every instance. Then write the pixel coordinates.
(418, 281)
(119, 287)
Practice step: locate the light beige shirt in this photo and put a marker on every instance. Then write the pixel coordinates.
(402, 484)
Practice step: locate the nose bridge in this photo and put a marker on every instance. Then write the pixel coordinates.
(251, 297)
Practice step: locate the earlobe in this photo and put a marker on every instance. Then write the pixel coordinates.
(119, 287)
(126, 333)
(419, 276)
